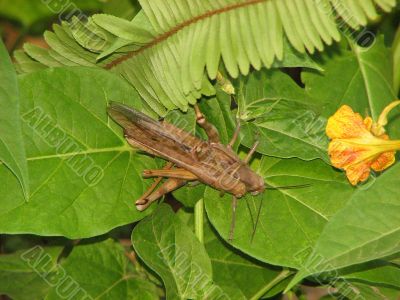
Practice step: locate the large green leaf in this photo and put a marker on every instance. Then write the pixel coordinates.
(367, 228)
(170, 248)
(290, 219)
(361, 78)
(23, 274)
(12, 151)
(85, 178)
(281, 117)
(100, 271)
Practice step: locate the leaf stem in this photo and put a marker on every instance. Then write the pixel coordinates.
(281, 276)
(199, 220)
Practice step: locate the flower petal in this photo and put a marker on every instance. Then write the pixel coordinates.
(384, 161)
(358, 173)
(343, 154)
(345, 123)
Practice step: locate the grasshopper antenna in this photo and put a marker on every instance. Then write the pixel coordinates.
(256, 222)
(233, 222)
(288, 187)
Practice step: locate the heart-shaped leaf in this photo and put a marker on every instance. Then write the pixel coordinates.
(85, 178)
(362, 78)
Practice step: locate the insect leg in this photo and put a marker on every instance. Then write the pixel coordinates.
(168, 186)
(155, 183)
(172, 173)
(233, 222)
(211, 131)
(252, 151)
(235, 135)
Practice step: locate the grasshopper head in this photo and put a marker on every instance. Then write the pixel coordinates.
(254, 183)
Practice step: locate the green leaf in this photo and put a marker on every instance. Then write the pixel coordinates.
(295, 59)
(189, 194)
(12, 152)
(367, 228)
(290, 219)
(396, 62)
(377, 272)
(126, 9)
(171, 249)
(251, 278)
(355, 290)
(24, 274)
(100, 271)
(239, 275)
(362, 79)
(29, 12)
(281, 114)
(84, 177)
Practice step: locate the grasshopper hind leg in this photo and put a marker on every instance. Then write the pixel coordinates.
(171, 184)
(211, 131)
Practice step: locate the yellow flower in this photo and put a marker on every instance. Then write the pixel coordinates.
(359, 145)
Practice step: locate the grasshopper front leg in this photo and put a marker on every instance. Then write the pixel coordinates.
(251, 152)
(235, 135)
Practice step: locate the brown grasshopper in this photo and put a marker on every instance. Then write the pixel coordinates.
(209, 162)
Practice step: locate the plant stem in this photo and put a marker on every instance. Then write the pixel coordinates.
(282, 276)
(199, 220)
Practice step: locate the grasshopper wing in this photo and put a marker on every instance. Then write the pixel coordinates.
(155, 137)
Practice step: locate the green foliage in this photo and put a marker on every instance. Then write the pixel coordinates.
(66, 169)
(361, 218)
(283, 115)
(274, 241)
(19, 280)
(14, 158)
(163, 51)
(30, 12)
(173, 251)
(396, 64)
(107, 262)
(77, 160)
